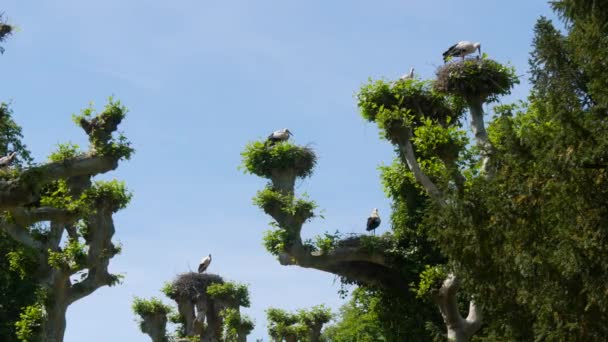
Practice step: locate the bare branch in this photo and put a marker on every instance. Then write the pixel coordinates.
(407, 153)
(458, 328)
(479, 131)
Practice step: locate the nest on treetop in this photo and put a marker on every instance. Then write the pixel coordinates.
(483, 79)
(262, 159)
(193, 285)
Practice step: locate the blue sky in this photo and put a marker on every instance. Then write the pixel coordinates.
(203, 78)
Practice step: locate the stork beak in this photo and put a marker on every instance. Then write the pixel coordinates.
(288, 132)
(479, 50)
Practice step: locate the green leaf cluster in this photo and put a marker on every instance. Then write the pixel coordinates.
(71, 258)
(65, 152)
(230, 292)
(101, 128)
(262, 159)
(152, 306)
(235, 324)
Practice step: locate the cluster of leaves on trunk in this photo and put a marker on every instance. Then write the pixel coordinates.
(303, 325)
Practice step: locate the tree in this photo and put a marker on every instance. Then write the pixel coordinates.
(41, 203)
(208, 310)
(422, 120)
(5, 31)
(304, 325)
(46, 204)
(517, 222)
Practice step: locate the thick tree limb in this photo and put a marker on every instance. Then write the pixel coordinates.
(26, 217)
(409, 156)
(458, 329)
(21, 234)
(479, 131)
(24, 189)
(101, 249)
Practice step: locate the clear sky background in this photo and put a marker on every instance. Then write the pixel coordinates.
(201, 79)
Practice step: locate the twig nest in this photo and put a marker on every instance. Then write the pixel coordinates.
(192, 285)
(406, 102)
(482, 79)
(281, 161)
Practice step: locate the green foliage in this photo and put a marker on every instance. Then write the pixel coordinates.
(72, 257)
(389, 105)
(17, 285)
(10, 136)
(483, 79)
(30, 324)
(65, 152)
(317, 315)
(230, 292)
(101, 127)
(270, 200)
(430, 280)
(152, 306)
(376, 315)
(235, 323)
(113, 192)
(276, 241)
(5, 31)
(261, 159)
(328, 241)
(282, 324)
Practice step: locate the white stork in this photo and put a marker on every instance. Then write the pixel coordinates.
(280, 135)
(461, 49)
(373, 221)
(204, 264)
(7, 160)
(408, 76)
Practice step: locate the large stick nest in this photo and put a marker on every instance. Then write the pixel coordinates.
(483, 79)
(192, 285)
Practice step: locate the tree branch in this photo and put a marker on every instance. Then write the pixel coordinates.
(20, 233)
(26, 216)
(479, 131)
(409, 157)
(101, 249)
(459, 329)
(24, 189)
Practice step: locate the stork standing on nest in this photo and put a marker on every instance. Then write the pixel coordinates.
(408, 76)
(280, 135)
(7, 160)
(461, 49)
(204, 264)
(373, 221)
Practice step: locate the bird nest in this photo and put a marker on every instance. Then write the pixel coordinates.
(403, 105)
(192, 285)
(483, 79)
(267, 161)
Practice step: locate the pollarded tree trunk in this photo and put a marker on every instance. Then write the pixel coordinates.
(185, 307)
(291, 338)
(242, 335)
(213, 330)
(54, 325)
(155, 325)
(315, 333)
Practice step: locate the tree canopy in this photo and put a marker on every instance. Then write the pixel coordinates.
(511, 224)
